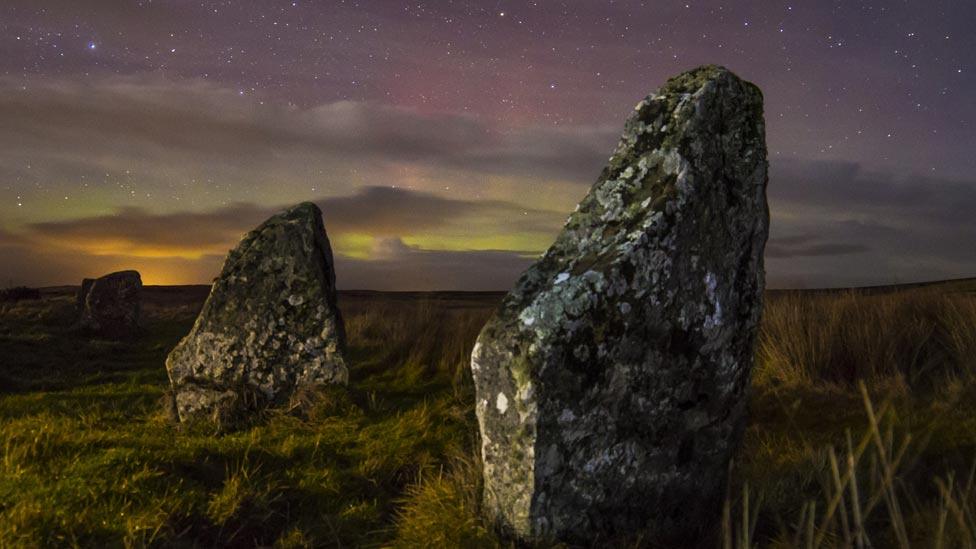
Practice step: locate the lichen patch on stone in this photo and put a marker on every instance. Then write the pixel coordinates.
(501, 403)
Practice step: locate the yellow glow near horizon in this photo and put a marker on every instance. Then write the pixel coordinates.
(116, 247)
(174, 263)
(354, 245)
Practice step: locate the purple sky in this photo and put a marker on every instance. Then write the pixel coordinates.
(447, 141)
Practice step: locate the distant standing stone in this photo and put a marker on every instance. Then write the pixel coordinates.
(611, 382)
(83, 293)
(109, 305)
(270, 325)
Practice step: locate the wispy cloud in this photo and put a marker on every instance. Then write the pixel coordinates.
(838, 224)
(809, 246)
(165, 134)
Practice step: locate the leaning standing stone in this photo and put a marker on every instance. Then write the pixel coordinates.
(611, 382)
(109, 306)
(270, 325)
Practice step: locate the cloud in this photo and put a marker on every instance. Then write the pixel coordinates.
(372, 211)
(393, 211)
(840, 189)
(836, 224)
(137, 233)
(169, 131)
(809, 246)
(398, 266)
(8, 239)
(188, 247)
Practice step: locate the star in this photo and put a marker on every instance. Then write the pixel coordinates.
(429, 62)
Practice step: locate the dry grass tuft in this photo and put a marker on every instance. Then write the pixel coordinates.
(442, 510)
(866, 498)
(920, 335)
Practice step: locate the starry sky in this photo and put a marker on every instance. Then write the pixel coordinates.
(446, 141)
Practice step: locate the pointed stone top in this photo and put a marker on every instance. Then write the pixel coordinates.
(692, 80)
(301, 210)
(300, 224)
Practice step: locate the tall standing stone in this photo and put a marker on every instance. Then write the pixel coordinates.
(270, 325)
(611, 382)
(110, 305)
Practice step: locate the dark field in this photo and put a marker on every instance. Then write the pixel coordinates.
(863, 430)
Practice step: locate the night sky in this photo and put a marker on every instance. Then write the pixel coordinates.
(447, 141)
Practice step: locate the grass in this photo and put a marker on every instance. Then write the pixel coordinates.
(88, 456)
(921, 335)
(862, 431)
(824, 465)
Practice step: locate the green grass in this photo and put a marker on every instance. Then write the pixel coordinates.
(89, 456)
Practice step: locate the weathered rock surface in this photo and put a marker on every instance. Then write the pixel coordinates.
(611, 382)
(270, 325)
(110, 305)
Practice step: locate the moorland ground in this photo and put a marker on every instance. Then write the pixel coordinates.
(862, 430)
